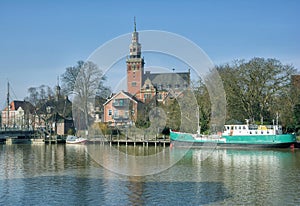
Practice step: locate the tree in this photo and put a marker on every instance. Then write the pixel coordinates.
(70, 76)
(204, 105)
(37, 94)
(85, 81)
(254, 88)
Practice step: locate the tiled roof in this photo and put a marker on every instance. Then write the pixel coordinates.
(16, 104)
(168, 79)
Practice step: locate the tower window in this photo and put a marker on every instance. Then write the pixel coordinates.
(133, 84)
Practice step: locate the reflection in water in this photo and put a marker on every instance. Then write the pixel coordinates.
(134, 161)
(66, 175)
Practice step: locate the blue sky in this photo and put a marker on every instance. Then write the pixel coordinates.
(39, 39)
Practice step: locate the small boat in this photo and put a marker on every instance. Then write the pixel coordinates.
(75, 140)
(246, 135)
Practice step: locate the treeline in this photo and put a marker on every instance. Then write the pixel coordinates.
(259, 90)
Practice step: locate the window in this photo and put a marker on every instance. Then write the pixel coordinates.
(126, 114)
(159, 96)
(147, 96)
(109, 112)
(116, 113)
(133, 84)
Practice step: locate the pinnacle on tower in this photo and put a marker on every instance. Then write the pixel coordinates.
(134, 24)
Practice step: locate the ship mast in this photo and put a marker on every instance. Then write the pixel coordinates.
(7, 104)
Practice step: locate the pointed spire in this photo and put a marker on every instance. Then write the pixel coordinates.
(57, 89)
(134, 24)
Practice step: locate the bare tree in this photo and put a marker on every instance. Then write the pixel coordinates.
(70, 76)
(37, 94)
(85, 86)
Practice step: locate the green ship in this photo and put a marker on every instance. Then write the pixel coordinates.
(246, 135)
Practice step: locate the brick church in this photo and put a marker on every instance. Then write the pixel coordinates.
(142, 87)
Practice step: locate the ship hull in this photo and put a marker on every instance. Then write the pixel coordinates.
(230, 145)
(252, 141)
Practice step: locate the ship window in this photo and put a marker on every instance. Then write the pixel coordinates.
(228, 127)
(240, 127)
(262, 132)
(244, 127)
(255, 132)
(267, 132)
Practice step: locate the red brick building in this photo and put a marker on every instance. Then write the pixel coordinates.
(144, 86)
(121, 109)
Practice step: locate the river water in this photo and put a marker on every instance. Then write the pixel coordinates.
(74, 175)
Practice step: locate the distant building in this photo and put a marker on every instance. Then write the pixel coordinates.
(143, 87)
(19, 115)
(55, 114)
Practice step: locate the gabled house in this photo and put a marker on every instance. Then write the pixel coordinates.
(121, 109)
(55, 114)
(18, 115)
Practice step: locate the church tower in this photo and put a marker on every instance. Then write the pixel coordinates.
(135, 65)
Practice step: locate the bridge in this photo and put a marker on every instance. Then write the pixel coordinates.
(15, 133)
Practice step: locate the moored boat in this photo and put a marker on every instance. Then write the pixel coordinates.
(75, 140)
(246, 135)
